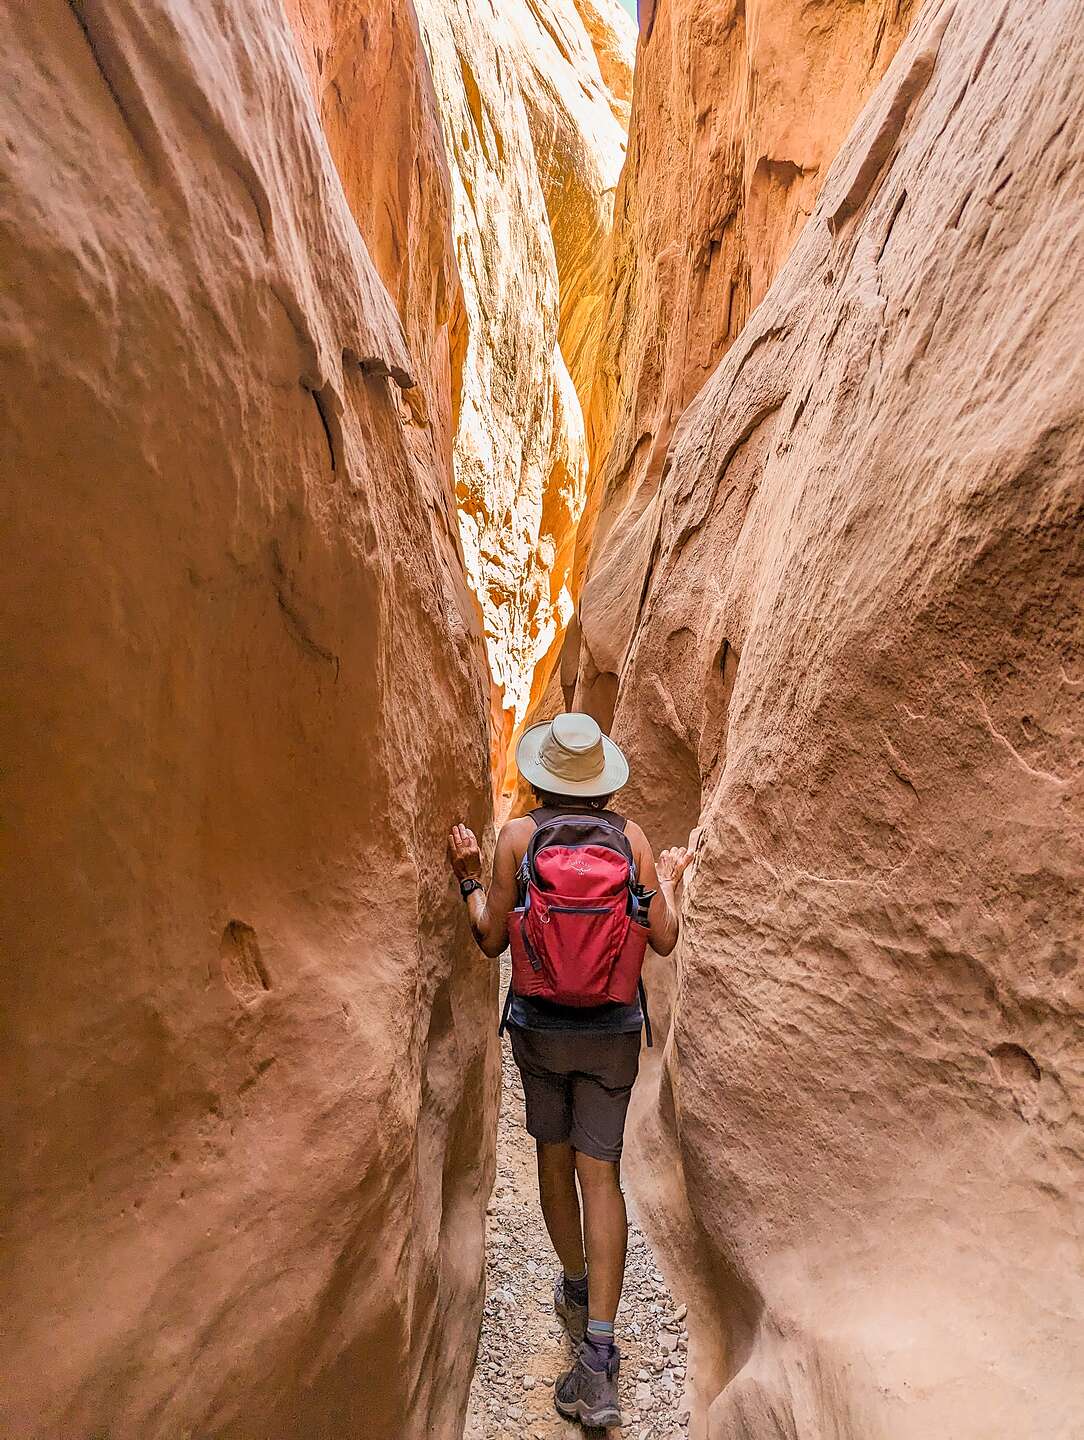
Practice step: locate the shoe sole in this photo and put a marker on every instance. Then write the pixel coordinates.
(604, 1419)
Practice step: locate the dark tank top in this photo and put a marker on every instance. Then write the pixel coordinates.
(529, 1014)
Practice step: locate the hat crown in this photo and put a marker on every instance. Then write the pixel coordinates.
(576, 733)
(569, 755)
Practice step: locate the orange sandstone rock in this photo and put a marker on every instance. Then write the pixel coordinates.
(739, 110)
(535, 139)
(857, 664)
(370, 76)
(250, 1077)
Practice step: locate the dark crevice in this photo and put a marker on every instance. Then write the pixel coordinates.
(984, 53)
(295, 621)
(799, 409)
(760, 416)
(646, 586)
(111, 81)
(871, 162)
(330, 423)
(897, 207)
(375, 367)
(774, 332)
(259, 1070)
(958, 213)
(718, 691)
(243, 967)
(1015, 1064)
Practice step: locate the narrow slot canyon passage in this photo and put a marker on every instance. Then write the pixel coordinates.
(523, 1348)
(385, 378)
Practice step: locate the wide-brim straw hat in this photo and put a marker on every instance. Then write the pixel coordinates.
(569, 755)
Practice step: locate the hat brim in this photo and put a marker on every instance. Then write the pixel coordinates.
(615, 771)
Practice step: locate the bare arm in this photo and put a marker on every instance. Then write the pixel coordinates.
(488, 914)
(664, 924)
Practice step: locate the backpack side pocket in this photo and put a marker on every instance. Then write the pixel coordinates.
(528, 977)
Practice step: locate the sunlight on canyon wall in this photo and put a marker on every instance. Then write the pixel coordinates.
(533, 97)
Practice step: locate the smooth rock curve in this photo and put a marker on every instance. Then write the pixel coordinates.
(250, 1074)
(857, 666)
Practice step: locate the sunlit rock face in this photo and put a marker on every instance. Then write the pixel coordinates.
(250, 1079)
(739, 110)
(533, 97)
(857, 665)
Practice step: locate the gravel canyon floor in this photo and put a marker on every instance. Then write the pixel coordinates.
(522, 1347)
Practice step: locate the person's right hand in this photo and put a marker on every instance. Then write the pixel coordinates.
(672, 864)
(464, 854)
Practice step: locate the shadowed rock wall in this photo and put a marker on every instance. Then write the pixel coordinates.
(855, 659)
(249, 1071)
(739, 110)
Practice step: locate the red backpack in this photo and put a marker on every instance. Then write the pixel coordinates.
(579, 936)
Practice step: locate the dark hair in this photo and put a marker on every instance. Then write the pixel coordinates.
(596, 802)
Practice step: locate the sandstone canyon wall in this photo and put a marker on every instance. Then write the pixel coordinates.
(740, 108)
(851, 652)
(533, 97)
(249, 1071)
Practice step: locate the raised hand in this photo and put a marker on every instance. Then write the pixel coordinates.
(672, 864)
(464, 854)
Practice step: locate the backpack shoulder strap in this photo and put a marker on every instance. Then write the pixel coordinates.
(617, 821)
(523, 871)
(507, 1007)
(566, 827)
(542, 814)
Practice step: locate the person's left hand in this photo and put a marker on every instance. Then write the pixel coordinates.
(464, 854)
(673, 863)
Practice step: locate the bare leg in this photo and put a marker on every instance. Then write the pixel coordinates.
(561, 1204)
(606, 1232)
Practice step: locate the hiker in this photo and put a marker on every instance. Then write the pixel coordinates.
(577, 893)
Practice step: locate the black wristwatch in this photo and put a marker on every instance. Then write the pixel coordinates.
(469, 886)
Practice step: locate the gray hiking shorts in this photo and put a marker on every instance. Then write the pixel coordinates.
(577, 1086)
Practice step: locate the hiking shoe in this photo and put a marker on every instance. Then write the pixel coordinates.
(589, 1396)
(572, 1316)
